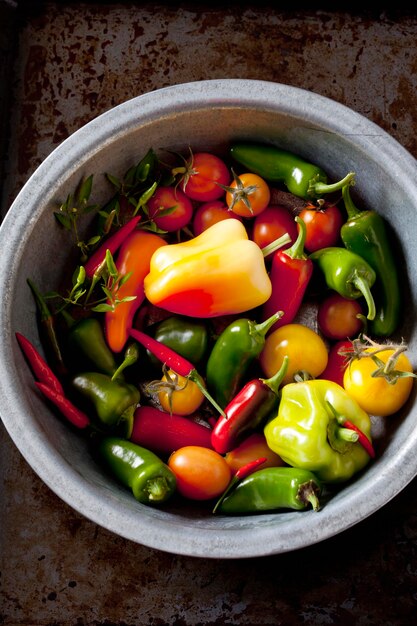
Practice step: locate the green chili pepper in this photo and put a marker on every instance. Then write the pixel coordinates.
(347, 273)
(88, 348)
(236, 348)
(365, 232)
(139, 469)
(320, 428)
(273, 488)
(303, 179)
(114, 401)
(188, 337)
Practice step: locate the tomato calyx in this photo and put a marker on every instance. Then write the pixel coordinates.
(365, 347)
(169, 384)
(184, 171)
(240, 192)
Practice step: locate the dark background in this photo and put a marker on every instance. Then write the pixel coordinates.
(64, 63)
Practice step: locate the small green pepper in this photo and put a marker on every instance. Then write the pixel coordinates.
(139, 469)
(88, 348)
(188, 337)
(273, 488)
(114, 401)
(320, 428)
(236, 348)
(365, 232)
(347, 273)
(303, 179)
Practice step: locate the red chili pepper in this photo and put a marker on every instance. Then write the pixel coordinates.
(163, 432)
(241, 473)
(175, 361)
(68, 410)
(362, 439)
(112, 243)
(39, 366)
(248, 410)
(290, 274)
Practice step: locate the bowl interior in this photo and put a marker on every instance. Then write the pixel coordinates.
(207, 115)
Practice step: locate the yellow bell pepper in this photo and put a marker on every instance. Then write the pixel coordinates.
(219, 272)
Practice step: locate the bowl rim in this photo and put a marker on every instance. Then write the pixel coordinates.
(64, 480)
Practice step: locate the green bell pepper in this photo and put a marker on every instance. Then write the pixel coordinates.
(114, 401)
(347, 273)
(308, 431)
(149, 478)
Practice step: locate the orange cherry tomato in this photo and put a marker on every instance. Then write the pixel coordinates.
(181, 396)
(249, 195)
(201, 473)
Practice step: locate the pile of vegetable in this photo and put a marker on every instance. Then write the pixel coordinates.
(226, 337)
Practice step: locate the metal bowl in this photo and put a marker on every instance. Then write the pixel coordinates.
(205, 115)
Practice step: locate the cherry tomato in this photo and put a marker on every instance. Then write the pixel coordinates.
(252, 448)
(248, 188)
(374, 394)
(201, 473)
(271, 224)
(323, 226)
(210, 213)
(180, 395)
(337, 362)
(205, 172)
(170, 198)
(337, 317)
(305, 349)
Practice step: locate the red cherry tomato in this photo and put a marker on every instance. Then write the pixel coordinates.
(205, 172)
(210, 213)
(323, 226)
(201, 473)
(337, 362)
(271, 224)
(337, 317)
(180, 213)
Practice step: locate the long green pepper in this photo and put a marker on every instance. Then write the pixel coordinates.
(365, 232)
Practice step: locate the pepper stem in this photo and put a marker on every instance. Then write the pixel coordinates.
(276, 245)
(346, 434)
(317, 188)
(274, 382)
(263, 327)
(307, 492)
(131, 356)
(157, 488)
(195, 377)
(297, 249)
(362, 286)
(351, 209)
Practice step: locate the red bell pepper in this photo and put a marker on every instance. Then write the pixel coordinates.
(291, 271)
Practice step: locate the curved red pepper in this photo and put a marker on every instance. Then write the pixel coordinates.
(248, 410)
(112, 243)
(290, 274)
(38, 365)
(74, 415)
(163, 432)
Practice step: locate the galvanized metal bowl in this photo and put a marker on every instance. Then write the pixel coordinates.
(205, 115)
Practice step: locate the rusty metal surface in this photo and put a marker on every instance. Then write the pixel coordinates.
(75, 61)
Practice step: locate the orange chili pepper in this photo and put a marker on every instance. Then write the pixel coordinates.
(135, 257)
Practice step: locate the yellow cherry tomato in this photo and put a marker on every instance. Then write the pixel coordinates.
(376, 395)
(180, 395)
(305, 349)
(249, 195)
